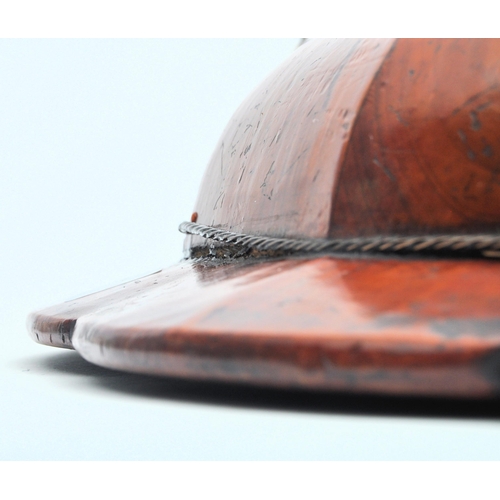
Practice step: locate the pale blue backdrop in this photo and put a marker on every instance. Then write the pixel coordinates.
(102, 147)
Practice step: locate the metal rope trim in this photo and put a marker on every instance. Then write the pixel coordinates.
(486, 245)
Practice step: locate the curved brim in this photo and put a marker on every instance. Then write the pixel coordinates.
(392, 325)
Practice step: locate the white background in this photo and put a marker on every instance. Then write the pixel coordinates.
(102, 147)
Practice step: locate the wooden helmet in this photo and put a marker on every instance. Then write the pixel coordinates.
(344, 237)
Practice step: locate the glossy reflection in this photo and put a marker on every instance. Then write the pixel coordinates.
(387, 325)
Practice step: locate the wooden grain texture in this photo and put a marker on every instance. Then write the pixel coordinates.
(428, 327)
(347, 138)
(275, 166)
(343, 139)
(424, 153)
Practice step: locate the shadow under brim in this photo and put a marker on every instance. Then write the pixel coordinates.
(252, 397)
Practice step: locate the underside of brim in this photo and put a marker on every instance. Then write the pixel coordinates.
(384, 325)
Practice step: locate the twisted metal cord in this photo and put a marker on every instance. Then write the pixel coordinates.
(486, 245)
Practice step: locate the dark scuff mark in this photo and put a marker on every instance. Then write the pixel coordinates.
(242, 172)
(385, 169)
(269, 172)
(483, 106)
(487, 151)
(475, 123)
(474, 98)
(275, 138)
(295, 161)
(398, 116)
(217, 200)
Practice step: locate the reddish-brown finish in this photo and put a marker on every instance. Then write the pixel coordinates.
(274, 169)
(424, 154)
(353, 137)
(390, 326)
(369, 125)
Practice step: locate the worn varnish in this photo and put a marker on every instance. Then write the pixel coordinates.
(346, 138)
(392, 326)
(369, 125)
(424, 155)
(275, 166)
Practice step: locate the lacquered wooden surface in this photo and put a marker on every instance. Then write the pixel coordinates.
(346, 136)
(389, 326)
(424, 155)
(275, 166)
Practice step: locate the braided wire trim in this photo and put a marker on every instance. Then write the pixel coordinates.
(486, 245)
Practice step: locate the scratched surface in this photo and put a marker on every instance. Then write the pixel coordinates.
(389, 326)
(343, 139)
(424, 155)
(349, 137)
(274, 169)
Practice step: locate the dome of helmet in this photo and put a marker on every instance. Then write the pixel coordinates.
(360, 138)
